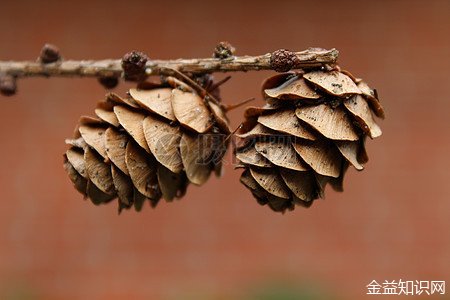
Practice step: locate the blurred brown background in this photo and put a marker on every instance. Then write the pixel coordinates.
(391, 223)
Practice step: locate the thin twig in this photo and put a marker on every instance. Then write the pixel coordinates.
(229, 107)
(309, 58)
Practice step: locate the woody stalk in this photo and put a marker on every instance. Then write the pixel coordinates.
(136, 66)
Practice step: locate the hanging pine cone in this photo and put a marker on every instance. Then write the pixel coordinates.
(311, 129)
(148, 145)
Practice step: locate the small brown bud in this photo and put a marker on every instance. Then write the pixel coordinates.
(223, 50)
(283, 60)
(8, 86)
(49, 54)
(109, 82)
(133, 65)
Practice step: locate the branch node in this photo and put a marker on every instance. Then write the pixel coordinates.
(224, 50)
(49, 54)
(109, 82)
(8, 85)
(283, 60)
(133, 65)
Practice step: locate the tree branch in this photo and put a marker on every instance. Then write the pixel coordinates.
(310, 58)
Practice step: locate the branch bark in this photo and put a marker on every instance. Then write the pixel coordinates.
(309, 58)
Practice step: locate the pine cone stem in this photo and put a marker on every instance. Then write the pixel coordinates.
(309, 58)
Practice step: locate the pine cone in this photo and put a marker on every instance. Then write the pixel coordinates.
(149, 145)
(311, 129)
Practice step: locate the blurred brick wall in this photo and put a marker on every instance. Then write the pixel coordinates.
(392, 222)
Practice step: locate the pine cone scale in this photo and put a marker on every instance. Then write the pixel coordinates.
(141, 168)
(163, 141)
(334, 83)
(94, 137)
(321, 156)
(99, 172)
(332, 123)
(360, 110)
(132, 122)
(96, 195)
(351, 151)
(172, 184)
(191, 111)
(302, 184)
(197, 170)
(257, 191)
(124, 187)
(220, 117)
(270, 181)
(286, 121)
(293, 89)
(252, 157)
(79, 181)
(76, 159)
(280, 153)
(116, 143)
(105, 112)
(158, 101)
(372, 99)
(258, 130)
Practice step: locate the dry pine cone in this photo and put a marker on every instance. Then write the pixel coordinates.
(311, 129)
(148, 145)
